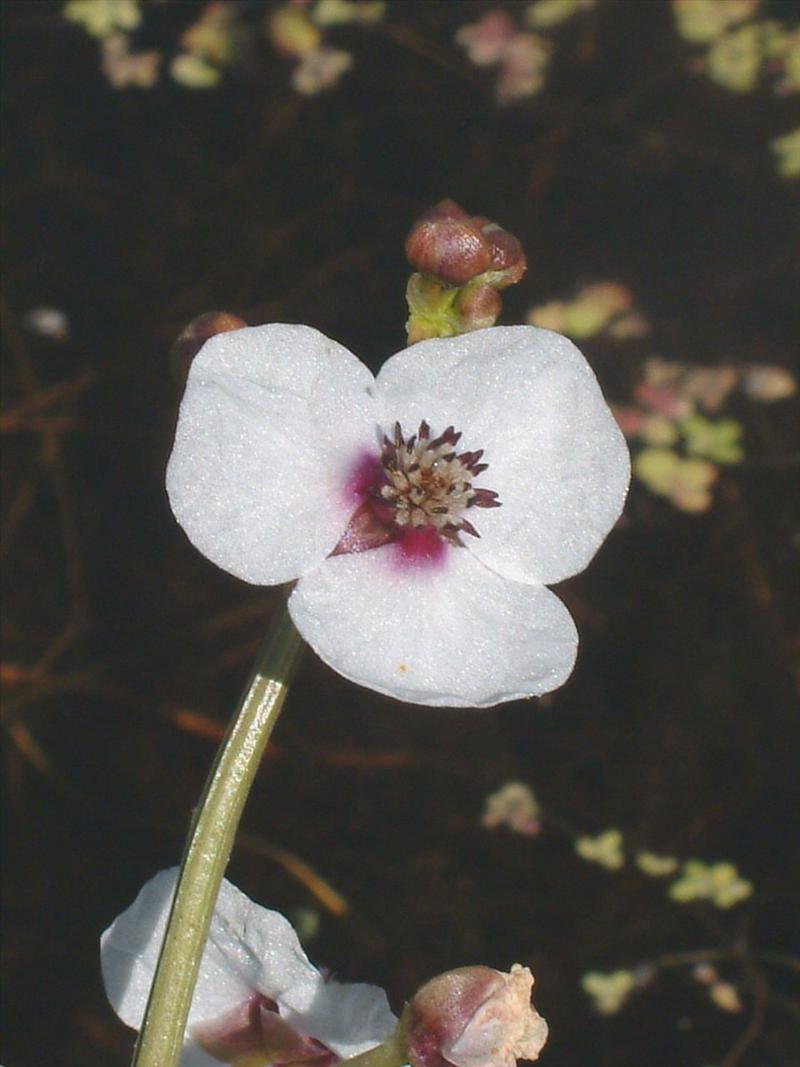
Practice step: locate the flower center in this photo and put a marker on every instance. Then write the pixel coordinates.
(415, 494)
(254, 1034)
(429, 484)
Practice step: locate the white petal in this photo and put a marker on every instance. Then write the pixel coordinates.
(272, 421)
(262, 944)
(556, 456)
(129, 953)
(452, 634)
(249, 949)
(348, 1018)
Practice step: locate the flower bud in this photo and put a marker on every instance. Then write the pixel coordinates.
(461, 263)
(450, 249)
(506, 252)
(445, 209)
(474, 1017)
(192, 338)
(454, 247)
(478, 306)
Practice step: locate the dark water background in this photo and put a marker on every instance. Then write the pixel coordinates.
(135, 210)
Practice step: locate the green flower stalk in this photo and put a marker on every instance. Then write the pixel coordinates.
(210, 843)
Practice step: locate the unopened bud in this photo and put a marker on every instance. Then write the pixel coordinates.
(450, 249)
(455, 247)
(507, 255)
(474, 1017)
(478, 306)
(461, 261)
(192, 338)
(445, 209)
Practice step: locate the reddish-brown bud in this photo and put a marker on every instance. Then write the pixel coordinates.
(448, 244)
(445, 209)
(192, 338)
(474, 1017)
(448, 248)
(479, 306)
(506, 252)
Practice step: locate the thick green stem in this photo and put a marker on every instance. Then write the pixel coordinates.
(209, 846)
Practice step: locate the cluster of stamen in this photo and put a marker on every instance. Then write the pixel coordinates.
(429, 484)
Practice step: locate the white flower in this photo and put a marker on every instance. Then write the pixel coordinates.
(257, 991)
(292, 462)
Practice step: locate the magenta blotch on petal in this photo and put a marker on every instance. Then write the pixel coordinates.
(420, 548)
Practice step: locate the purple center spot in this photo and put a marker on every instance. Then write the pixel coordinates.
(420, 548)
(367, 475)
(413, 494)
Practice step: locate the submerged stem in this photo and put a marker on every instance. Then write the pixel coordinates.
(209, 845)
